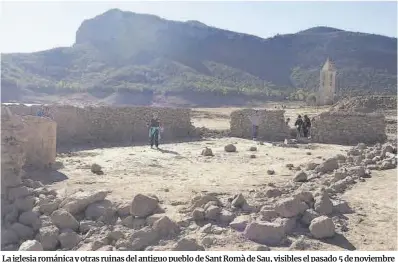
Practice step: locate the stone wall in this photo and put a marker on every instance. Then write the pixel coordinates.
(40, 145)
(93, 125)
(348, 128)
(272, 125)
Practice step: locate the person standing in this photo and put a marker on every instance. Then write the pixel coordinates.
(154, 131)
(306, 126)
(299, 125)
(255, 121)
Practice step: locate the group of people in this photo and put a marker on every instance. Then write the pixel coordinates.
(303, 125)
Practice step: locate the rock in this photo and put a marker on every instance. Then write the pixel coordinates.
(230, 148)
(267, 214)
(166, 227)
(308, 153)
(31, 245)
(102, 209)
(206, 229)
(153, 218)
(288, 224)
(25, 204)
(342, 207)
(323, 205)
(207, 241)
(339, 174)
(387, 148)
(64, 220)
(311, 166)
(9, 236)
(290, 207)
(187, 244)
(305, 196)
(226, 216)
(356, 171)
(322, 227)
(96, 169)
(270, 172)
(273, 192)
(198, 214)
(30, 218)
(22, 231)
(308, 216)
(289, 165)
(123, 210)
(78, 202)
(300, 176)
(143, 206)
(202, 200)
(264, 233)
(69, 239)
(387, 164)
(239, 201)
(48, 237)
(134, 223)
(143, 238)
(19, 192)
(253, 148)
(212, 213)
(252, 156)
(262, 248)
(328, 165)
(47, 206)
(207, 152)
(240, 222)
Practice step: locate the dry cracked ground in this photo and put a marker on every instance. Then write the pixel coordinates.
(260, 197)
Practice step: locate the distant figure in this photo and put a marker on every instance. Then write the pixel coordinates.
(44, 111)
(255, 120)
(306, 126)
(299, 125)
(154, 131)
(287, 121)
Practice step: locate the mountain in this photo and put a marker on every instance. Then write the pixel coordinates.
(120, 54)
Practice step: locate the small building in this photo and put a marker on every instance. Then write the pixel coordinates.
(327, 85)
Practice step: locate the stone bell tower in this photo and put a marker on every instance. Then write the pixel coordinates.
(327, 86)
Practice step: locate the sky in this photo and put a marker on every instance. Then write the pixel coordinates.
(35, 26)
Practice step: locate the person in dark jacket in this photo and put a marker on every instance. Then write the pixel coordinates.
(306, 126)
(299, 125)
(154, 131)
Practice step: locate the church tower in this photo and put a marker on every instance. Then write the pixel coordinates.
(327, 86)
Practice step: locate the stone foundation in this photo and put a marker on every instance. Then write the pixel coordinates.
(348, 128)
(272, 125)
(121, 125)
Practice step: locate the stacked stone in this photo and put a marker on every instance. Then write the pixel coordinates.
(348, 128)
(272, 124)
(113, 124)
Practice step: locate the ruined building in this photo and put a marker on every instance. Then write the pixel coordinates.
(327, 87)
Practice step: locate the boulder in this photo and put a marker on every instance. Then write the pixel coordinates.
(300, 176)
(253, 148)
(142, 238)
(198, 214)
(64, 220)
(9, 236)
(267, 214)
(327, 166)
(25, 204)
(96, 169)
(273, 192)
(264, 233)
(102, 209)
(311, 166)
(86, 225)
(133, 222)
(31, 219)
(166, 227)
(48, 236)
(79, 201)
(240, 222)
(239, 201)
(69, 239)
(207, 152)
(19, 192)
(212, 212)
(308, 216)
(226, 216)
(143, 206)
(342, 207)
(230, 148)
(47, 206)
(22, 231)
(187, 244)
(322, 227)
(323, 205)
(290, 207)
(31, 245)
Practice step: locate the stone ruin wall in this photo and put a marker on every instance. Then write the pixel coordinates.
(348, 128)
(272, 124)
(40, 146)
(121, 125)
